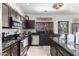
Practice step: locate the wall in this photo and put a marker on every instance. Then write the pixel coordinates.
(55, 19)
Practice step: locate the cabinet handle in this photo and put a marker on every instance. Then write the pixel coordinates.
(4, 54)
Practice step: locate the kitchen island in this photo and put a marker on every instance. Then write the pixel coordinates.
(60, 48)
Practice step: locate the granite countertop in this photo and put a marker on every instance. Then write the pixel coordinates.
(10, 42)
(73, 49)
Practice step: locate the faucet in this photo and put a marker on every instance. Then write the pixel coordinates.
(66, 38)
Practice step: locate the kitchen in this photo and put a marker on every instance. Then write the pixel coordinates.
(57, 31)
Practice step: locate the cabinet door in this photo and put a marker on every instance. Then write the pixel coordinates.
(56, 50)
(6, 52)
(14, 50)
(24, 24)
(59, 54)
(63, 51)
(53, 51)
(5, 16)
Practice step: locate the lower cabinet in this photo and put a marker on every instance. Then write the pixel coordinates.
(6, 52)
(44, 40)
(12, 50)
(58, 53)
(53, 51)
(63, 51)
(57, 50)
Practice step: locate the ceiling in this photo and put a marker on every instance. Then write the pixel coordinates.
(37, 8)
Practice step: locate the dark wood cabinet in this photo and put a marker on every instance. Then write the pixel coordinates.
(6, 52)
(44, 40)
(28, 24)
(9, 15)
(14, 49)
(57, 50)
(44, 26)
(58, 53)
(53, 51)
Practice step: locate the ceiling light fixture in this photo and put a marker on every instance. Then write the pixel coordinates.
(57, 5)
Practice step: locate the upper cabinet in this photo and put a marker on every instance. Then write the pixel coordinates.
(10, 18)
(28, 24)
(14, 14)
(5, 21)
(44, 26)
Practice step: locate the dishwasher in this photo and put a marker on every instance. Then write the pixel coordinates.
(24, 46)
(35, 39)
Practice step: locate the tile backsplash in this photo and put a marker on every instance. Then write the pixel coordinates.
(9, 31)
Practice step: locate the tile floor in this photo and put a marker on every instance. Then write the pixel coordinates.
(39, 51)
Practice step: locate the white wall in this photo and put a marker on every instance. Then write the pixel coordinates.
(55, 19)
